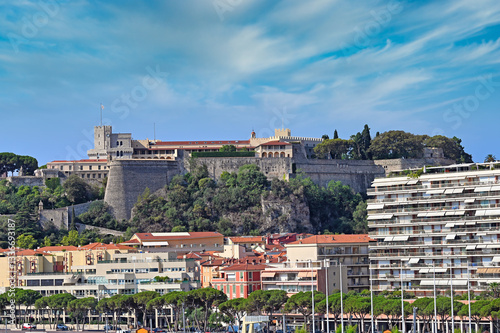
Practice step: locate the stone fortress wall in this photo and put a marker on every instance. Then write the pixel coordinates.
(129, 178)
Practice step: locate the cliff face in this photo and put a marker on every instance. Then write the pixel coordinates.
(286, 216)
(274, 215)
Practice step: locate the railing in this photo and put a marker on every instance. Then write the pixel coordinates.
(427, 254)
(422, 187)
(54, 273)
(435, 209)
(423, 232)
(433, 197)
(393, 221)
(129, 261)
(436, 242)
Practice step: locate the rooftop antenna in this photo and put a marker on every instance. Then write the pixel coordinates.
(282, 123)
(101, 108)
(154, 131)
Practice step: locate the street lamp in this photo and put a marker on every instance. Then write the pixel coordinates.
(327, 266)
(435, 306)
(371, 295)
(312, 295)
(403, 328)
(341, 301)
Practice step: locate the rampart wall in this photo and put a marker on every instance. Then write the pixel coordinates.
(127, 180)
(411, 163)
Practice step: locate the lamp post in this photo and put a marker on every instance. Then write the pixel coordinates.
(468, 297)
(403, 328)
(341, 301)
(312, 295)
(371, 295)
(435, 306)
(327, 270)
(451, 292)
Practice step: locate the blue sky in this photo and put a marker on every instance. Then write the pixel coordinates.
(220, 68)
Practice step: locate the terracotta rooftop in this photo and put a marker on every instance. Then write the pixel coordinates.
(330, 239)
(244, 239)
(275, 143)
(99, 246)
(201, 142)
(57, 248)
(175, 236)
(245, 267)
(79, 161)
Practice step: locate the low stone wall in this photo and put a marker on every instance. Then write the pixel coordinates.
(26, 180)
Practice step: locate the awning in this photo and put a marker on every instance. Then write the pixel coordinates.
(488, 270)
(493, 246)
(482, 189)
(442, 282)
(449, 225)
(494, 212)
(495, 259)
(433, 214)
(469, 200)
(375, 206)
(412, 182)
(390, 183)
(437, 270)
(268, 274)
(414, 260)
(471, 247)
(458, 190)
(388, 239)
(380, 217)
(451, 236)
(307, 274)
(480, 212)
(470, 223)
(435, 191)
(495, 188)
(400, 238)
(426, 283)
(449, 191)
(423, 270)
(459, 282)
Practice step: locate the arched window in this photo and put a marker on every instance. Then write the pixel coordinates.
(117, 154)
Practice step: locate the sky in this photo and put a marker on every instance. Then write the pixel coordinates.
(218, 69)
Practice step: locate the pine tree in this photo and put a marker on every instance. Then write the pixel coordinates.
(335, 135)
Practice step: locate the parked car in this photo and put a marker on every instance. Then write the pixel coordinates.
(119, 330)
(28, 326)
(157, 330)
(61, 327)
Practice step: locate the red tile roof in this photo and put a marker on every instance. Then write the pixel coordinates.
(57, 248)
(79, 161)
(329, 239)
(99, 246)
(202, 142)
(244, 239)
(245, 267)
(192, 235)
(275, 143)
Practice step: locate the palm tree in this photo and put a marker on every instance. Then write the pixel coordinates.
(490, 158)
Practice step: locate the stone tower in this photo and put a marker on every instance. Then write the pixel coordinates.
(102, 142)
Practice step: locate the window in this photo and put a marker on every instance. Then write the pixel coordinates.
(90, 167)
(61, 167)
(98, 167)
(69, 167)
(250, 276)
(81, 167)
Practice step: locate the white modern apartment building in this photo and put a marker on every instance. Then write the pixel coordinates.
(126, 273)
(440, 228)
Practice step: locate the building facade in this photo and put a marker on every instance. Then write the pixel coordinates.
(239, 280)
(441, 227)
(349, 250)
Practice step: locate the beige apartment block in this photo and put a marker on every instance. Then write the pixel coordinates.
(349, 250)
(440, 227)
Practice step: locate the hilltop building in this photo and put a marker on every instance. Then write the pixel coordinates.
(443, 223)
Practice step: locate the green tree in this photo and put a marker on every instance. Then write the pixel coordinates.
(302, 303)
(490, 158)
(334, 148)
(397, 144)
(335, 135)
(235, 309)
(72, 239)
(141, 300)
(77, 190)
(26, 241)
(227, 148)
(59, 303)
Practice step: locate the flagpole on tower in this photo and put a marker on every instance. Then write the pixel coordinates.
(100, 109)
